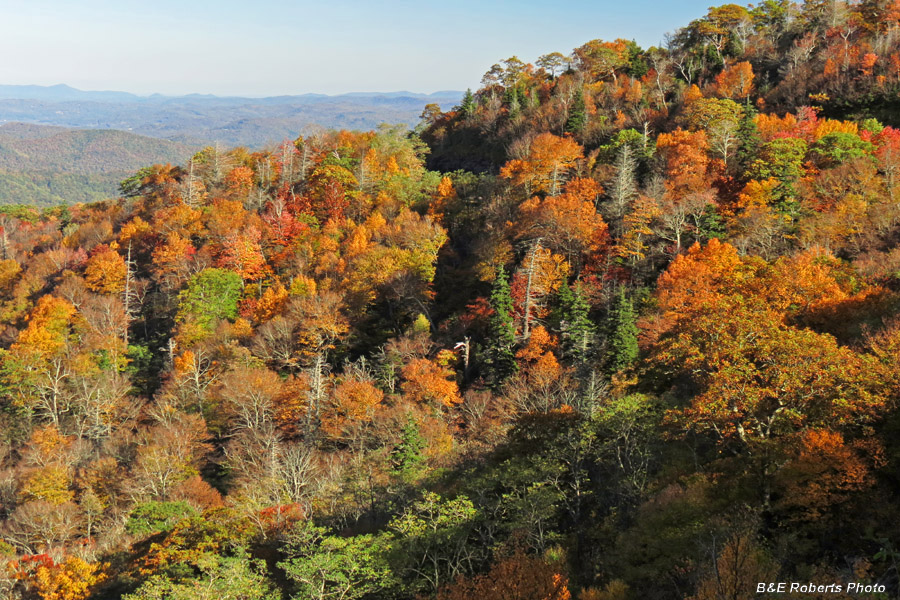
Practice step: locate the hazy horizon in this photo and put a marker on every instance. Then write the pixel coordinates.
(248, 96)
(276, 48)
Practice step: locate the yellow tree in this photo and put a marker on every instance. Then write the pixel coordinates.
(427, 382)
(352, 402)
(758, 378)
(72, 579)
(633, 245)
(599, 59)
(739, 567)
(565, 223)
(39, 365)
(105, 271)
(546, 167)
(736, 81)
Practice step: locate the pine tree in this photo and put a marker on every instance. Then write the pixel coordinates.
(499, 354)
(532, 98)
(577, 114)
(622, 349)
(576, 331)
(748, 138)
(711, 224)
(467, 108)
(513, 101)
(407, 458)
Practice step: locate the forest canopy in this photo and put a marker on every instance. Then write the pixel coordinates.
(622, 324)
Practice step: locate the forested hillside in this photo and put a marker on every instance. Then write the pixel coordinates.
(45, 166)
(622, 325)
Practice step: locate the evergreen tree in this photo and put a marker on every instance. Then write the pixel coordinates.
(711, 224)
(637, 66)
(499, 355)
(577, 114)
(467, 108)
(532, 98)
(513, 101)
(407, 458)
(622, 349)
(576, 331)
(748, 138)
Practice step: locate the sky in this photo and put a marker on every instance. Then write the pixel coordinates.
(275, 47)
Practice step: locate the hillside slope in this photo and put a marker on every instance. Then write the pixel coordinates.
(651, 351)
(46, 165)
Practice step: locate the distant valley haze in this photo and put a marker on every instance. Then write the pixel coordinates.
(204, 118)
(60, 145)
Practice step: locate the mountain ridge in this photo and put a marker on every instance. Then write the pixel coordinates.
(64, 92)
(202, 119)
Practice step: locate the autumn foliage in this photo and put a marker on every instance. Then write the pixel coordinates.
(622, 324)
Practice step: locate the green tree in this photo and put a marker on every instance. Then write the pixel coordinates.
(554, 63)
(623, 334)
(134, 185)
(628, 430)
(431, 540)
(576, 330)
(468, 106)
(770, 14)
(577, 114)
(407, 458)
(637, 66)
(220, 578)
(211, 294)
(499, 355)
(153, 517)
(710, 224)
(513, 101)
(782, 159)
(838, 147)
(748, 138)
(329, 567)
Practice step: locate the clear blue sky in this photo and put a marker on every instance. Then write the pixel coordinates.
(270, 47)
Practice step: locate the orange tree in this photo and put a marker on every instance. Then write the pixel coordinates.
(752, 380)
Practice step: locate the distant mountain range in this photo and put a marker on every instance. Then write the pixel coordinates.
(48, 165)
(198, 119)
(60, 145)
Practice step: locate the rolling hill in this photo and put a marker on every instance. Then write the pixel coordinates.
(47, 165)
